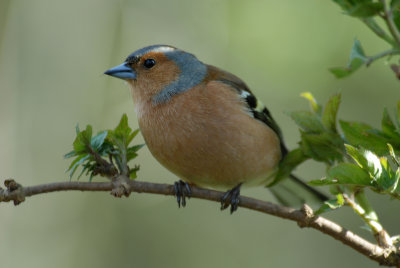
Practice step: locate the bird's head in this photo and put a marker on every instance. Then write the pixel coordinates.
(159, 72)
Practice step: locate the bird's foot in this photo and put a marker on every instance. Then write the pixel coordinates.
(182, 190)
(231, 198)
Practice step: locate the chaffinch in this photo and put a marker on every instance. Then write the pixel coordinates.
(205, 125)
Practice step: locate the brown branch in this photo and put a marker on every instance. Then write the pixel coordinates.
(303, 217)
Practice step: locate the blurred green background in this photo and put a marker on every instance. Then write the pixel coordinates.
(52, 56)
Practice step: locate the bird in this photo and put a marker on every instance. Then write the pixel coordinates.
(205, 126)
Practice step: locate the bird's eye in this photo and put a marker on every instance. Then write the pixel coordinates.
(149, 63)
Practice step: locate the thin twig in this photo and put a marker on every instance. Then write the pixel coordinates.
(373, 26)
(304, 217)
(383, 54)
(370, 218)
(365, 211)
(388, 17)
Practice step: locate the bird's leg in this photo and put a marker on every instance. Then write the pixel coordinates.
(231, 198)
(182, 190)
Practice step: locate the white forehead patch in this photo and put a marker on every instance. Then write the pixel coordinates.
(163, 49)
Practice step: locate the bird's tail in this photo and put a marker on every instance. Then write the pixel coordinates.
(293, 192)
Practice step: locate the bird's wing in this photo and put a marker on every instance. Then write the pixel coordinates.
(255, 106)
(292, 192)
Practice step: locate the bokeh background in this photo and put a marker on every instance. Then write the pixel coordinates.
(52, 58)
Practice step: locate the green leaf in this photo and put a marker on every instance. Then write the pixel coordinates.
(77, 130)
(82, 140)
(121, 134)
(357, 59)
(330, 112)
(91, 177)
(360, 8)
(331, 205)
(85, 168)
(316, 108)
(133, 171)
(356, 155)
(383, 177)
(345, 173)
(378, 30)
(389, 129)
(365, 10)
(395, 4)
(396, 159)
(326, 147)
(132, 135)
(70, 154)
(366, 160)
(342, 72)
(340, 199)
(123, 130)
(288, 164)
(344, 4)
(386, 178)
(357, 52)
(106, 148)
(395, 186)
(98, 140)
(131, 152)
(308, 121)
(90, 152)
(77, 160)
(136, 148)
(75, 164)
(388, 126)
(360, 134)
(336, 189)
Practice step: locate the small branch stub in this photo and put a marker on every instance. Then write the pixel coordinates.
(13, 191)
(309, 216)
(121, 186)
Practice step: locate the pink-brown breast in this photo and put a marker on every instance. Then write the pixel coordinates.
(205, 136)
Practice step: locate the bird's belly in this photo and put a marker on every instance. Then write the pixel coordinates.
(218, 153)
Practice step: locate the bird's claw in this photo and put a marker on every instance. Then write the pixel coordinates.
(182, 190)
(231, 198)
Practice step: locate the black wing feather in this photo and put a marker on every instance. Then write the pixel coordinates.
(258, 109)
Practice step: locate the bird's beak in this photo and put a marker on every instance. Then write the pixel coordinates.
(122, 71)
